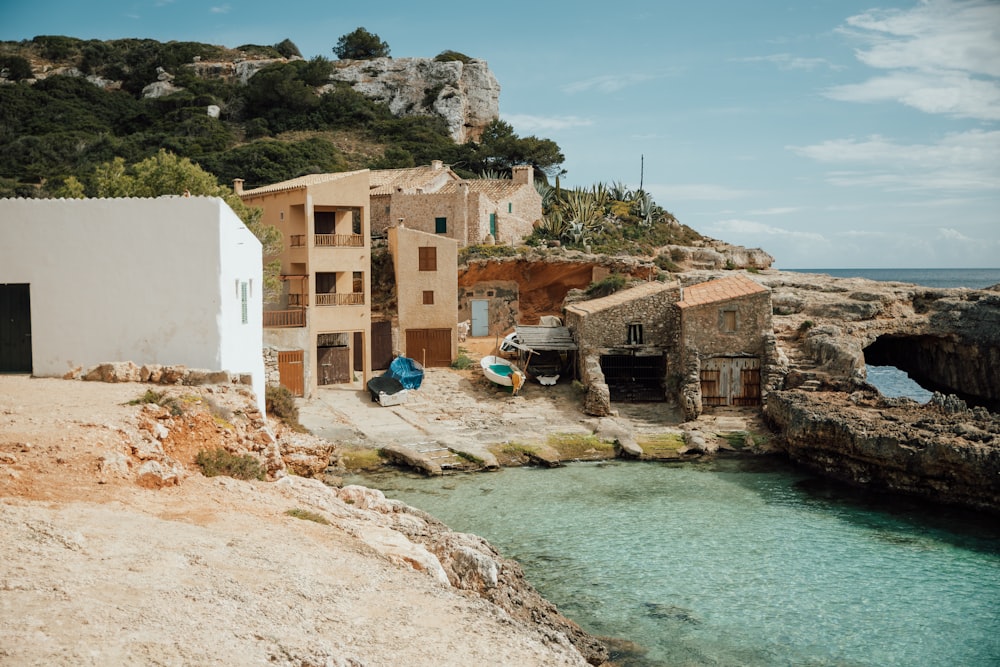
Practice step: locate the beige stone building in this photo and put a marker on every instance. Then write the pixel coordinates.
(704, 345)
(322, 323)
(435, 200)
(426, 270)
(725, 326)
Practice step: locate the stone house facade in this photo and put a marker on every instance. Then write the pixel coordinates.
(628, 344)
(426, 271)
(321, 324)
(165, 281)
(704, 345)
(725, 329)
(436, 200)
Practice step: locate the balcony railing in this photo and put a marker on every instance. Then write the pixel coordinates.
(300, 300)
(285, 318)
(297, 241)
(340, 240)
(341, 299)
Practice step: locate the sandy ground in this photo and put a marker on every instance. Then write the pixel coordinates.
(95, 570)
(462, 409)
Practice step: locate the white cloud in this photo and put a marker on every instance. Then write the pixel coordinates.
(608, 83)
(942, 57)
(787, 61)
(959, 161)
(737, 227)
(221, 9)
(531, 123)
(776, 210)
(697, 192)
(952, 234)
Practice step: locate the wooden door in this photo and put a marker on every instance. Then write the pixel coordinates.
(15, 328)
(359, 351)
(381, 345)
(730, 381)
(290, 371)
(430, 347)
(333, 365)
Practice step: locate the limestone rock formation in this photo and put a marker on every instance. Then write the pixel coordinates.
(941, 451)
(466, 95)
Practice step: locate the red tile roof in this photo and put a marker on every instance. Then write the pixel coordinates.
(722, 289)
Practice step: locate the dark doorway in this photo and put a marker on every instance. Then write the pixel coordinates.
(15, 328)
(633, 378)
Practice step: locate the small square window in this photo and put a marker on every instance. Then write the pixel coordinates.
(729, 321)
(635, 334)
(428, 297)
(440, 225)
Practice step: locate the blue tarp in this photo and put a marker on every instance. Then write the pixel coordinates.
(409, 373)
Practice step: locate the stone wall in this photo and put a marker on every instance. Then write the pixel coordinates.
(704, 327)
(607, 327)
(503, 296)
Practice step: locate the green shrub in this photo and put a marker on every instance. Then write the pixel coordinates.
(485, 252)
(161, 398)
(307, 515)
(280, 402)
(665, 263)
(606, 286)
(446, 56)
(214, 462)
(462, 361)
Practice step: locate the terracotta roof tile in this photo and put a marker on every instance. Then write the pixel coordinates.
(721, 289)
(300, 182)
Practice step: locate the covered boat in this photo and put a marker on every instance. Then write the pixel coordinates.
(502, 372)
(409, 373)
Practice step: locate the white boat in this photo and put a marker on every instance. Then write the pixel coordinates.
(502, 372)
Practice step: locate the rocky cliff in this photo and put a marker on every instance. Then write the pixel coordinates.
(941, 451)
(466, 95)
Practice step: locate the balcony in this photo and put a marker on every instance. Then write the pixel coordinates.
(339, 241)
(341, 299)
(282, 319)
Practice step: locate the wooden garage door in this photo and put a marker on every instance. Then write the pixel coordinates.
(730, 381)
(430, 347)
(334, 364)
(290, 371)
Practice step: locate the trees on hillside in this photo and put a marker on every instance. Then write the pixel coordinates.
(361, 45)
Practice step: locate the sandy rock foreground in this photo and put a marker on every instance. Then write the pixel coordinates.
(97, 570)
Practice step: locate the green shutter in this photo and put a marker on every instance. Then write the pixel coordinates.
(493, 224)
(440, 225)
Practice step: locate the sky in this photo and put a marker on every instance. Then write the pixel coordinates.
(830, 133)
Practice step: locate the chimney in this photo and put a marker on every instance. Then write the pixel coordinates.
(437, 165)
(238, 186)
(522, 174)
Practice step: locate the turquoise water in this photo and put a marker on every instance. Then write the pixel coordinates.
(893, 382)
(736, 562)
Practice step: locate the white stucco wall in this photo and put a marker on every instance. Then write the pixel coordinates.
(152, 281)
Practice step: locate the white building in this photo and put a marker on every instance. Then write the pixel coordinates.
(171, 280)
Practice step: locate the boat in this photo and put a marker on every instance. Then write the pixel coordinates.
(387, 390)
(502, 372)
(409, 372)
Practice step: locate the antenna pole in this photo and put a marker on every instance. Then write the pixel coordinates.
(642, 168)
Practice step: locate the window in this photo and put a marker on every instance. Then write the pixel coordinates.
(510, 207)
(493, 224)
(635, 334)
(356, 221)
(358, 283)
(440, 225)
(244, 302)
(326, 283)
(729, 321)
(428, 259)
(428, 297)
(325, 222)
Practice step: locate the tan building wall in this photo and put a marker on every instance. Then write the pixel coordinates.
(326, 268)
(413, 284)
(727, 328)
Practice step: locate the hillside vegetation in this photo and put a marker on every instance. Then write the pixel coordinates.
(73, 112)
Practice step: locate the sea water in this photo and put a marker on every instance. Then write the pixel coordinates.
(972, 278)
(737, 562)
